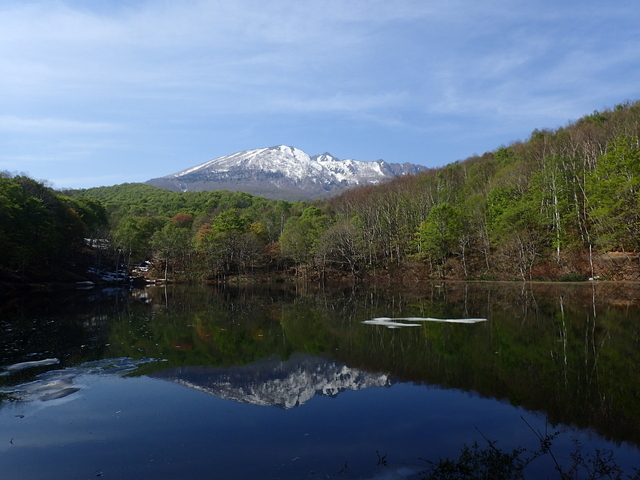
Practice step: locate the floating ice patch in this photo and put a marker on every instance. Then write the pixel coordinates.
(38, 363)
(51, 385)
(390, 322)
(65, 392)
(59, 384)
(399, 322)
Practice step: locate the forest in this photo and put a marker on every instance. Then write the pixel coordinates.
(42, 232)
(560, 205)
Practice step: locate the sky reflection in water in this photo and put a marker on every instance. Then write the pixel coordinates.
(147, 428)
(335, 420)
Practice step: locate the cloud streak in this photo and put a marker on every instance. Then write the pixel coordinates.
(11, 123)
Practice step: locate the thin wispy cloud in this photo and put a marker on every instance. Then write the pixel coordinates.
(12, 123)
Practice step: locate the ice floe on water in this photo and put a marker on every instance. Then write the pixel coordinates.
(399, 322)
(38, 363)
(390, 322)
(63, 383)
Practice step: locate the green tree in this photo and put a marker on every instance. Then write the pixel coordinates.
(614, 195)
(229, 243)
(40, 229)
(133, 236)
(172, 244)
(301, 235)
(93, 215)
(439, 235)
(227, 221)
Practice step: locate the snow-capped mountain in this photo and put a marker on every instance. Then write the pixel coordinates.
(272, 382)
(283, 173)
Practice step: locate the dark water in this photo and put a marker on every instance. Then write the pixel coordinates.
(198, 382)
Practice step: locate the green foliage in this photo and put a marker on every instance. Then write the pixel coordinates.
(172, 243)
(170, 239)
(39, 227)
(614, 195)
(500, 206)
(228, 332)
(440, 233)
(228, 221)
(597, 118)
(504, 157)
(136, 199)
(229, 243)
(530, 210)
(133, 235)
(478, 178)
(92, 213)
(302, 234)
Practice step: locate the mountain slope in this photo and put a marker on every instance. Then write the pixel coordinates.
(283, 172)
(272, 382)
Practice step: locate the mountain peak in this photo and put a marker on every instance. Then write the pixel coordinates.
(325, 157)
(272, 382)
(282, 172)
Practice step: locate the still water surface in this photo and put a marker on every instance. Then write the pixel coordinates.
(199, 382)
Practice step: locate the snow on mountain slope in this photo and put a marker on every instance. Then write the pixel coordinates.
(272, 382)
(282, 172)
(292, 162)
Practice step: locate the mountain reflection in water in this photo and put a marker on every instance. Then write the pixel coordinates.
(272, 382)
(564, 356)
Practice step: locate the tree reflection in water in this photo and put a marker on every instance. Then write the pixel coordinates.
(567, 351)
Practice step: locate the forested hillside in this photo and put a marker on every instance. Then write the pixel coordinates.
(563, 204)
(537, 209)
(40, 230)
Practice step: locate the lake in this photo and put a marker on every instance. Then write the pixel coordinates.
(302, 382)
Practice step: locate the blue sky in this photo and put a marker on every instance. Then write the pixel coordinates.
(112, 91)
